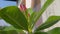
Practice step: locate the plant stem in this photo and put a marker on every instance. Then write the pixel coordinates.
(30, 33)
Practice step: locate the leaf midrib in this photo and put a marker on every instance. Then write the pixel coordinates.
(14, 20)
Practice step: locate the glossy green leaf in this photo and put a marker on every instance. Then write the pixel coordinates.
(14, 16)
(54, 31)
(44, 7)
(40, 33)
(50, 21)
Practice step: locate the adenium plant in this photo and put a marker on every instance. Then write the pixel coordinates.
(25, 21)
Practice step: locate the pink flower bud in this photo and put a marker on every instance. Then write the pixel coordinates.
(22, 7)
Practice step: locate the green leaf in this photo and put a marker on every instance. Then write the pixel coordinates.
(36, 15)
(7, 28)
(8, 32)
(40, 32)
(12, 32)
(15, 17)
(54, 31)
(3, 32)
(44, 7)
(30, 10)
(50, 21)
(32, 20)
(22, 32)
